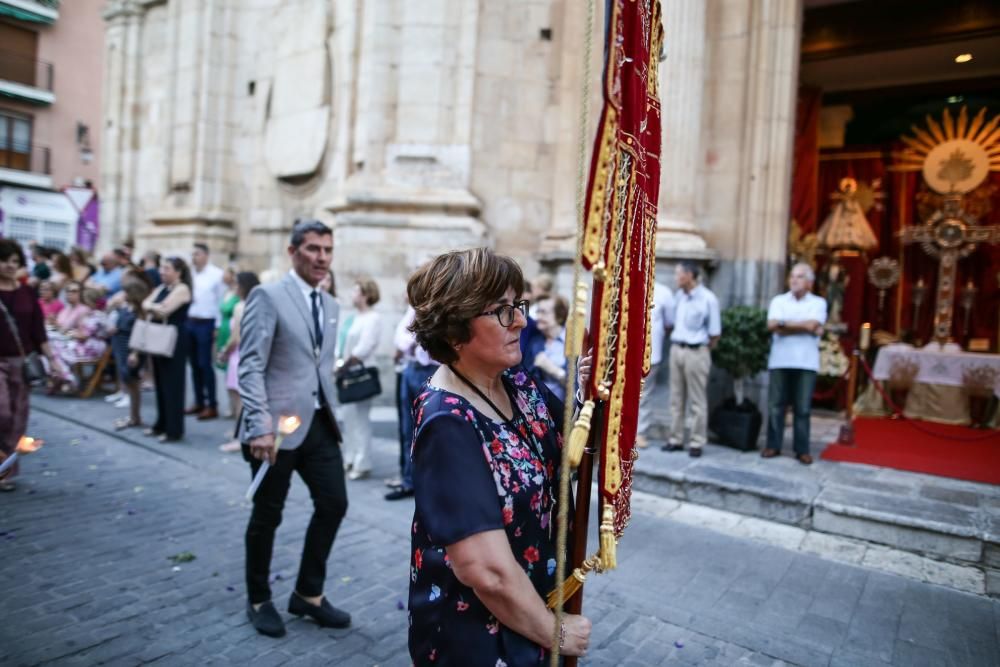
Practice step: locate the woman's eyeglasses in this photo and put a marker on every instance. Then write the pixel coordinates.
(505, 312)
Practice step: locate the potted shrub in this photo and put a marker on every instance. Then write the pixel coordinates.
(742, 352)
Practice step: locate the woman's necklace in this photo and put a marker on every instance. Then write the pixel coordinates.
(482, 395)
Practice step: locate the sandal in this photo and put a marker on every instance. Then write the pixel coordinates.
(124, 423)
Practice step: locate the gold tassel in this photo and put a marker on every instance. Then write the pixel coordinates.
(578, 323)
(609, 545)
(569, 588)
(580, 434)
(574, 582)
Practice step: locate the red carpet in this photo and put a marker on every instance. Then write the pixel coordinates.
(919, 446)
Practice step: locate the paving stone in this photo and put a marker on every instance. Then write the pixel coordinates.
(725, 598)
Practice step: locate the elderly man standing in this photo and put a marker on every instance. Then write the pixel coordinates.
(203, 320)
(697, 327)
(796, 320)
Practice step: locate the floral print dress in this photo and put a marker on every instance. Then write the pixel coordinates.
(471, 475)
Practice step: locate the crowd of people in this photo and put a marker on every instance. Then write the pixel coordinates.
(481, 377)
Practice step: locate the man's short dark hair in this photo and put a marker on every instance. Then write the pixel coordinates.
(202, 246)
(305, 226)
(692, 268)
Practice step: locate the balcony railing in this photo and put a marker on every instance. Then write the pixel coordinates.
(26, 70)
(26, 157)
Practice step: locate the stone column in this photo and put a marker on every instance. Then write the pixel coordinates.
(195, 206)
(121, 92)
(682, 83)
(765, 193)
(409, 185)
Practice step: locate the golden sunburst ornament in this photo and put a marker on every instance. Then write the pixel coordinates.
(955, 155)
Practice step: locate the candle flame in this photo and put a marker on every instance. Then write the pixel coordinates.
(28, 445)
(288, 425)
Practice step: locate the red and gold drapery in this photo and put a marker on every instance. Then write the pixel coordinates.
(619, 238)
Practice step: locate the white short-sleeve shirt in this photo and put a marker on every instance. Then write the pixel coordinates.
(696, 316)
(799, 350)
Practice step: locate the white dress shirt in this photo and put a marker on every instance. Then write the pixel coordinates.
(696, 316)
(307, 291)
(208, 292)
(404, 340)
(799, 350)
(663, 308)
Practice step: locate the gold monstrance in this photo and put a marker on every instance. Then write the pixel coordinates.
(955, 157)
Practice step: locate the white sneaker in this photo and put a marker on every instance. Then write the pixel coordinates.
(115, 397)
(123, 402)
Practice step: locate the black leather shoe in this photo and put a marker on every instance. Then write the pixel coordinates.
(325, 614)
(399, 494)
(694, 452)
(266, 620)
(672, 447)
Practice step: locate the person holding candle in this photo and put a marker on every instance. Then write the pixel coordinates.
(288, 336)
(796, 320)
(23, 331)
(486, 456)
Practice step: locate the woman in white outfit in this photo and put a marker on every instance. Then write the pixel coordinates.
(359, 348)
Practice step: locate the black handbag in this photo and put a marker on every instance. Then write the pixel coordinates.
(34, 369)
(358, 383)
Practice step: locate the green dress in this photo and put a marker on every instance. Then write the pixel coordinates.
(222, 338)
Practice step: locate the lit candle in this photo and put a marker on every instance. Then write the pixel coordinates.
(25, 445)
(286, 426)
(865, 340)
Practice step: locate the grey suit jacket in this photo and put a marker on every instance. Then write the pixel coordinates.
(279, 372)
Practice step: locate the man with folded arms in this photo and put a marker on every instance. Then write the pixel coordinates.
(796, 320)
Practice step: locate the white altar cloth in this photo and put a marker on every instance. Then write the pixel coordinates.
(945, 366)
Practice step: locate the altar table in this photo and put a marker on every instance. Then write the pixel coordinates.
(937, 393)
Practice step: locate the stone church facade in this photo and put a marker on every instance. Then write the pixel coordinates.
(413, 127)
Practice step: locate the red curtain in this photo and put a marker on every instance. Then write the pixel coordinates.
(805, 172)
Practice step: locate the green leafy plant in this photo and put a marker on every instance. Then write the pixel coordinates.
(744, 345)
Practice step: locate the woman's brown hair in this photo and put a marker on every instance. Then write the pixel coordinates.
(451, 290)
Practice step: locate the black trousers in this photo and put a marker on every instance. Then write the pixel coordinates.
(201, 353)
(403, 453)
(320, 464)
(170, 378)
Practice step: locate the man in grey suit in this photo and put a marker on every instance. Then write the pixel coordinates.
(288, 335)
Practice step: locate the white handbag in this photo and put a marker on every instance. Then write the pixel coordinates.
(153, 338)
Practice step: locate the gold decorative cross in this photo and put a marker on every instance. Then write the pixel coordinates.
(949, 235)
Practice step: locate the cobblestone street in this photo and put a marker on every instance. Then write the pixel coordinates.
(98, 544)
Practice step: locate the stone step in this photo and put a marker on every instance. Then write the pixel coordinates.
(949, 520)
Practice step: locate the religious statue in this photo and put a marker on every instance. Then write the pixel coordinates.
(836, 287)
(846, 227)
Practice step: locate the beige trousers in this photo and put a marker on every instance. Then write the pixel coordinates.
(688, 379)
